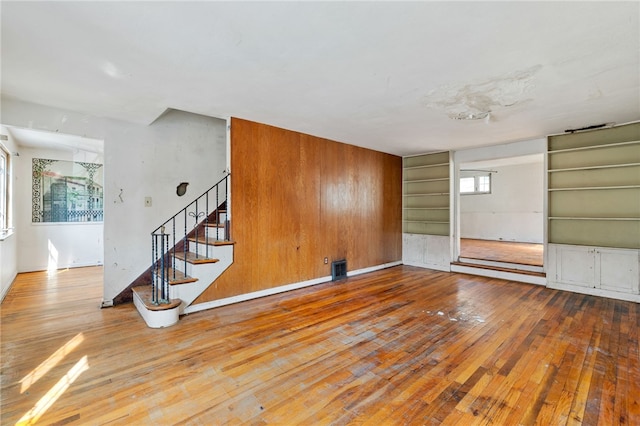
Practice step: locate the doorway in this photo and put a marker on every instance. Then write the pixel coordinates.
(501, 213)
(59, 200)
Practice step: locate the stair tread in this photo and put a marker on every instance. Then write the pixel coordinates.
(145, 293)
(211, 241)
(175, 276)
(497, 268)
(214, 225)
(191, 258)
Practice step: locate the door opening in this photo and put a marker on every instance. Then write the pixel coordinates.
(501, 213)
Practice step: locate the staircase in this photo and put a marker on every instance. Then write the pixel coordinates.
(189, 252)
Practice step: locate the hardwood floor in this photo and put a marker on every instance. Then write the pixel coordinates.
(400, 346)
(502, 251)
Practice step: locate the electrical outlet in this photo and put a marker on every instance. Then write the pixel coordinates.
(147, 201)
(326, 260)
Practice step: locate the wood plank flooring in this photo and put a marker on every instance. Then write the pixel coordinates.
(503, 251)
(402, 346)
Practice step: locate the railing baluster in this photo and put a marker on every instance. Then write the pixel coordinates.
(163, 258)
(186, 242)
(166, 282)
(153, 268)
(196, 228)
(217, 213)
(206, 223)
(173, 250)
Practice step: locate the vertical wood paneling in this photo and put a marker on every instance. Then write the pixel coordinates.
(298, 198)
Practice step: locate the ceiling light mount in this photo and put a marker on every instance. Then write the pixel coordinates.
(471, 115)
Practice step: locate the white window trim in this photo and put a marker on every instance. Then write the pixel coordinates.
(476, 176)
(6, 228)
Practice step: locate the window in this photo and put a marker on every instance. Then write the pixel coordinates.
(4, 191)
(66, 191)
(480, 183)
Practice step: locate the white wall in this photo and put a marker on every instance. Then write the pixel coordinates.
(139, 161)
(513, 211)
(8, 245)
(43, 246)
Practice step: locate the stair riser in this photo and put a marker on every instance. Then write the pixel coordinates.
(156, 319)
(202, 249)
(516, 266)
(213, 233)
(180, 264)
(215, 252)
(206, 274)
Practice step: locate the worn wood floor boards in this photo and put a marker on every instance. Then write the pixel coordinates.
(401, 346)
(502, 251)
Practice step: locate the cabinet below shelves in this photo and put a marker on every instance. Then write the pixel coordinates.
(595, 267)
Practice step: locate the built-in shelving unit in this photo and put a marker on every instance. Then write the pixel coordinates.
(425, 204)
(594, 187)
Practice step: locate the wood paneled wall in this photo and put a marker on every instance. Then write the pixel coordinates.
(297, 199)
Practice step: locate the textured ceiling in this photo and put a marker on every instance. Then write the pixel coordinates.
(392, 76)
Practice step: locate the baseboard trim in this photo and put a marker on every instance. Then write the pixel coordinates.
(281, 289)
(59, 267)
(629, 297)
(443, 268)
(373, 268)
(6, 290)
(106, 304)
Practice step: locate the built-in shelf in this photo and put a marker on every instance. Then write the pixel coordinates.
(426, 221)
(426, 184)
(588, 188)
(426, 194)
(595, 218)
(600, 146)
(425, 180)
(426, 166)
(426, 208)
(605, 166)
(597, 201)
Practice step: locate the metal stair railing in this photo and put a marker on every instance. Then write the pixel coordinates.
(167, 241)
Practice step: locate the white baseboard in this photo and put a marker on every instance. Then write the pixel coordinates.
(106, 304)
(595, 292)
(444, 268)
(6, 290)
(281, 289)
(373, 268)
(39, 268)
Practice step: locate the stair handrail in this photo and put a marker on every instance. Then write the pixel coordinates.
(165, 245)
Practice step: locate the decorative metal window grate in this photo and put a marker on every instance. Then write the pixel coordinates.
(66, 191)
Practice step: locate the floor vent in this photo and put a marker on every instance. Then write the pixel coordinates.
(338, 270)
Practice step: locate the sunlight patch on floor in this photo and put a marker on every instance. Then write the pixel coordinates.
(32, 416)
(50, 362)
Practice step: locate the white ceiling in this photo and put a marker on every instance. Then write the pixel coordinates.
(383, 75)
(41, 139)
